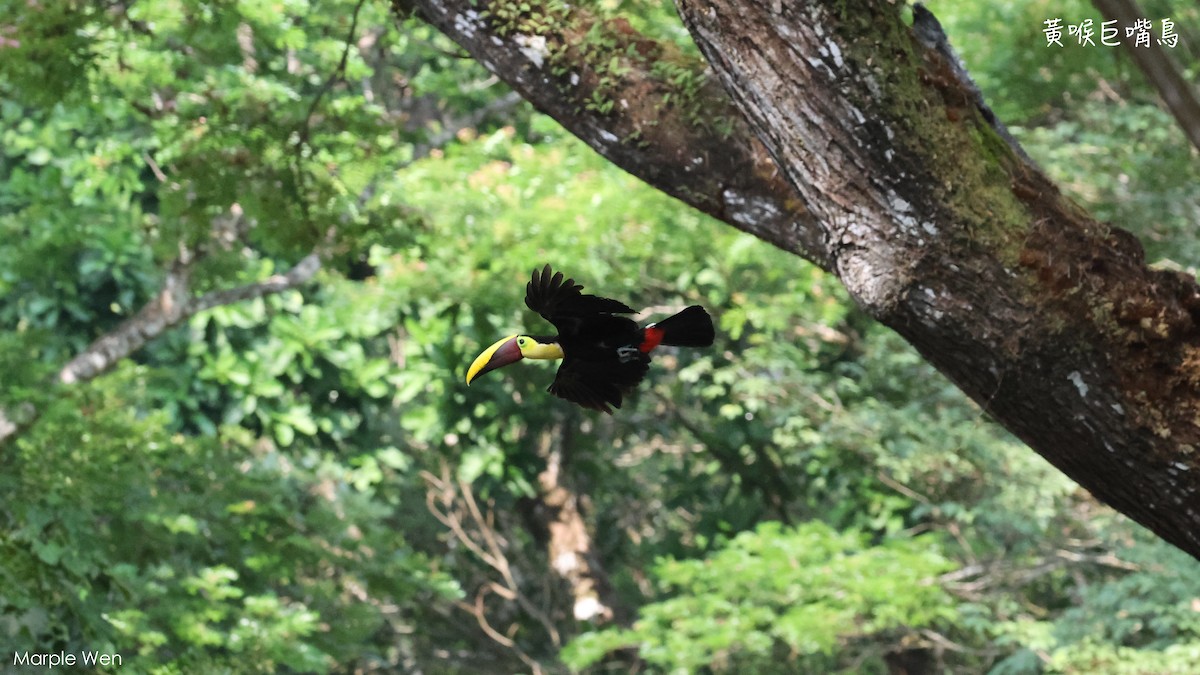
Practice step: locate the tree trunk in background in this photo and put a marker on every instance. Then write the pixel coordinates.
(905, 186)
(569, 547)
(1160, 69)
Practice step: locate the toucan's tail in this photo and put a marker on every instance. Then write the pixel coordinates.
(691, 327)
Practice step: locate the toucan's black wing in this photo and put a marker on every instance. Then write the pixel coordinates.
(558, 300)
(598, 384)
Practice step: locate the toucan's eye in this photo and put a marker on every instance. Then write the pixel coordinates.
(521, 342)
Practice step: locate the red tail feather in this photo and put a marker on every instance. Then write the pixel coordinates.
(651, 337)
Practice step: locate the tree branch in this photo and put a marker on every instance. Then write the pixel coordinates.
(1160, 69)
(168, 309)
(299, 274)
(658, 114)
(905, 186)
(471, 528)
(173, 306)
(1050, 320)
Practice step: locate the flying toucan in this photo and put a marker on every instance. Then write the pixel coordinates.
(604, 354)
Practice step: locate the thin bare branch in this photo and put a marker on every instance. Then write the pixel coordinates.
(298, 275)
(479, 611)
(476, 530)
(168, 309)
(172, 306)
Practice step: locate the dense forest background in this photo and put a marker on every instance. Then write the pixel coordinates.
(280, 230)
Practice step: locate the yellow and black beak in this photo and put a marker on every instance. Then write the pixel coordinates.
(501, 354)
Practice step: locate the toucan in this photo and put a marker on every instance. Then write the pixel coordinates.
(604, 353)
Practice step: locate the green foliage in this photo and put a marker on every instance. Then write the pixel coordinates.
(1133, 166)
(776, 600)
(1087, 115)
(252, 490)
(1146, 621)
(193, 552)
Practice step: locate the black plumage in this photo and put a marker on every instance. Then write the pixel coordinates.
(605, 353)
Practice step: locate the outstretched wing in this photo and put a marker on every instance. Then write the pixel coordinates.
(559, 300)
(598, 384)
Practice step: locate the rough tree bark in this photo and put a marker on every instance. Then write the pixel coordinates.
(902, 184)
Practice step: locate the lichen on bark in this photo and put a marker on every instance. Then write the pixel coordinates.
(890, 171)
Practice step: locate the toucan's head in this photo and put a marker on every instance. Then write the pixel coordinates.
(512, 349)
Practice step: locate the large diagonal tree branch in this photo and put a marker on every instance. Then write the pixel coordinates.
(1047, 318)
(639, 103)
(904, 186)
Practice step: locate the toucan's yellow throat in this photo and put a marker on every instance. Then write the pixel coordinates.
(510, 350)
(604, 352)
